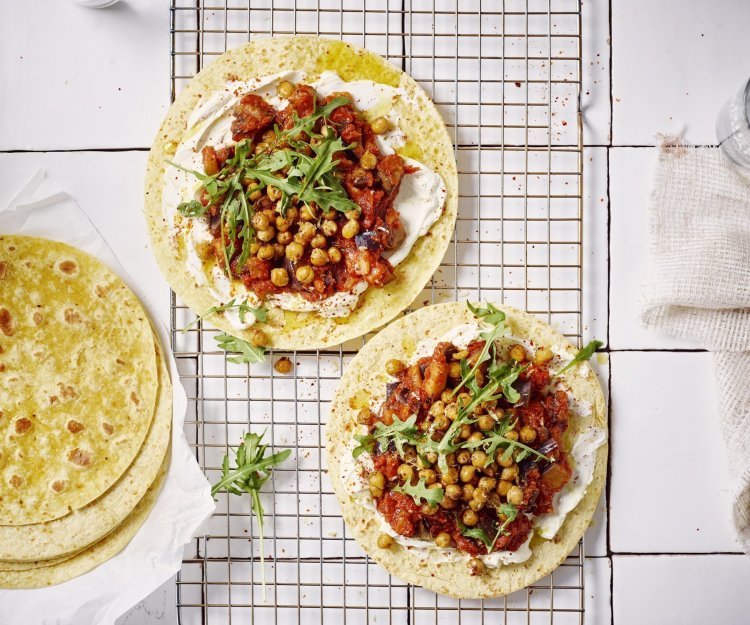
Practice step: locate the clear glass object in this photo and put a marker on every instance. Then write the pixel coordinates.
(733, 127)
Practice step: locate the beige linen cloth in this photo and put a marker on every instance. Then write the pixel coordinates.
(697, 285)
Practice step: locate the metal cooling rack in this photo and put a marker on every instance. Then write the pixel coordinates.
(506, 76)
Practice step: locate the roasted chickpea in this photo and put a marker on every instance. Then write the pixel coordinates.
(527, 434)
(480, 494)
(428, 475)
(443, 539)
(511, 435)
(282, 224)
(380, 125)
(463, 456)
(406, 472)
(330, 214)
(486, 423)
(437, 408)
(304, 274)
(306, 213)
(475, 437)
(364, 416)
(294, 251)
(318, 257)
(514, 495)
(329, 227)
(478, 459)
(543, 354)
(454, 370)
(285, 89)
(449, 477)
(254, 247)
(394, 366)
(260, 221)
(467, 491)
(258, 338)
(467, 473)
(305, 233)
(470, 518)
(476, 566)
(285, 238)
(502, 460)
(319, 241)
(453, 491)
(451, 411)
(291, 214)
(476, 505)
(273, 193)
(460, 355)
(334, 254)
(377, 479)
(266, 235)
(278, 250)
(447, 396)
(266, 252)
(450, 459)
(487, 483)
(350, 229)
(352, 214)
(510, 474)
(428, 509)
(463, 399)
(518, 353)
(368, 160)
(465, 431)
(255, 194)
(503, 487)
(431, 456)
(283, 365)
(441, 422)
(279, 276)
(423, 461)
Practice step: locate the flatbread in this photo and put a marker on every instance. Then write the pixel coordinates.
(94, 555)
(78, 379)
(427, 142)
(22, 547)
(365, 377)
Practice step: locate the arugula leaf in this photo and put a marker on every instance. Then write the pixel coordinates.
(305, 124)
(491, 314)
(252, 469)
(419, 491)
(243, 308)
(245, 352)
(582, 356)
(511, 512)
(400, 432)
(477, 533)
(496, 439)
(193, 208)
(505, 375)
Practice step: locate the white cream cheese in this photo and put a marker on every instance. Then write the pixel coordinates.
(582, 459)
(420, 199)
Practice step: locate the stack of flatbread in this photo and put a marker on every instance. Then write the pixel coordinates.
(85, 413)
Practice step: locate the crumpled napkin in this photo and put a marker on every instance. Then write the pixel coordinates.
(155, 553)
(697, 285)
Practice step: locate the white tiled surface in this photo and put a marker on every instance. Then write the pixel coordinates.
(72, 78)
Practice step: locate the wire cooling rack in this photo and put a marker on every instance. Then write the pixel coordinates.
(506, 76)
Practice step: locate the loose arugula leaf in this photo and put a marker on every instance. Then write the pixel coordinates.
(305, 124)
(243, 309)
(419, 491)
(400, 432)
(505, 375)
(477, 533)
(245, 352)
(582, 356)
(511, 512)
(491, 314)
(496, 440)
(193, 208)
(252, 469)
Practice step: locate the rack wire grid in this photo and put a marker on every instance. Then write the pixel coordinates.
(506, 77)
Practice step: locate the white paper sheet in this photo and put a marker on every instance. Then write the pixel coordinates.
(155, 553)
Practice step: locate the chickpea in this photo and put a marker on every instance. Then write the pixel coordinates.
(448, 503)
(318, 257)
(451, 411)
(278, 250)
(463, 399)
(376, 492)
(284, 238)
(258, 338)
(265, 235)
(460, 355)
(441, 422)
(254, 247)
(305, 233)
(479, 459)
(279, 276)
(476, 505)
(514, 495)
(406, 472)
(467, 473)
(470, 518)
(410, 453)
(463, 456)
(422, 461)
(307, 213)
(447, 396)
(467, 492)
(431, 456)
(368, 160)
(273, 193)
(437, 408)
(319, 241)
(450, 477)
(480, 494)
(453, 491)
(489, 470)
(377, 479)
(465, 431)
(502, 460)
(334, 254)
(518, 353)
(511, 435)
(503, 487)
(476, 437)
(285, 89)
(528, 434)
(428, 509)
(543, 354)
(260, 221)
(476, 566)
(443, 539)
(352, 214)
(282, 224)
(283, 365)
(350, 229)
(266, 252)
(428, 475)
(394, 366)
(294, 251)
(486, 423)
(291, 214)
(329, 227)
(510, 474)
(450, 459)
(255, 194)
(454, 370)
(304, 274)
(380, 125)
(487, 483)
(364, 416)
(330, 214)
